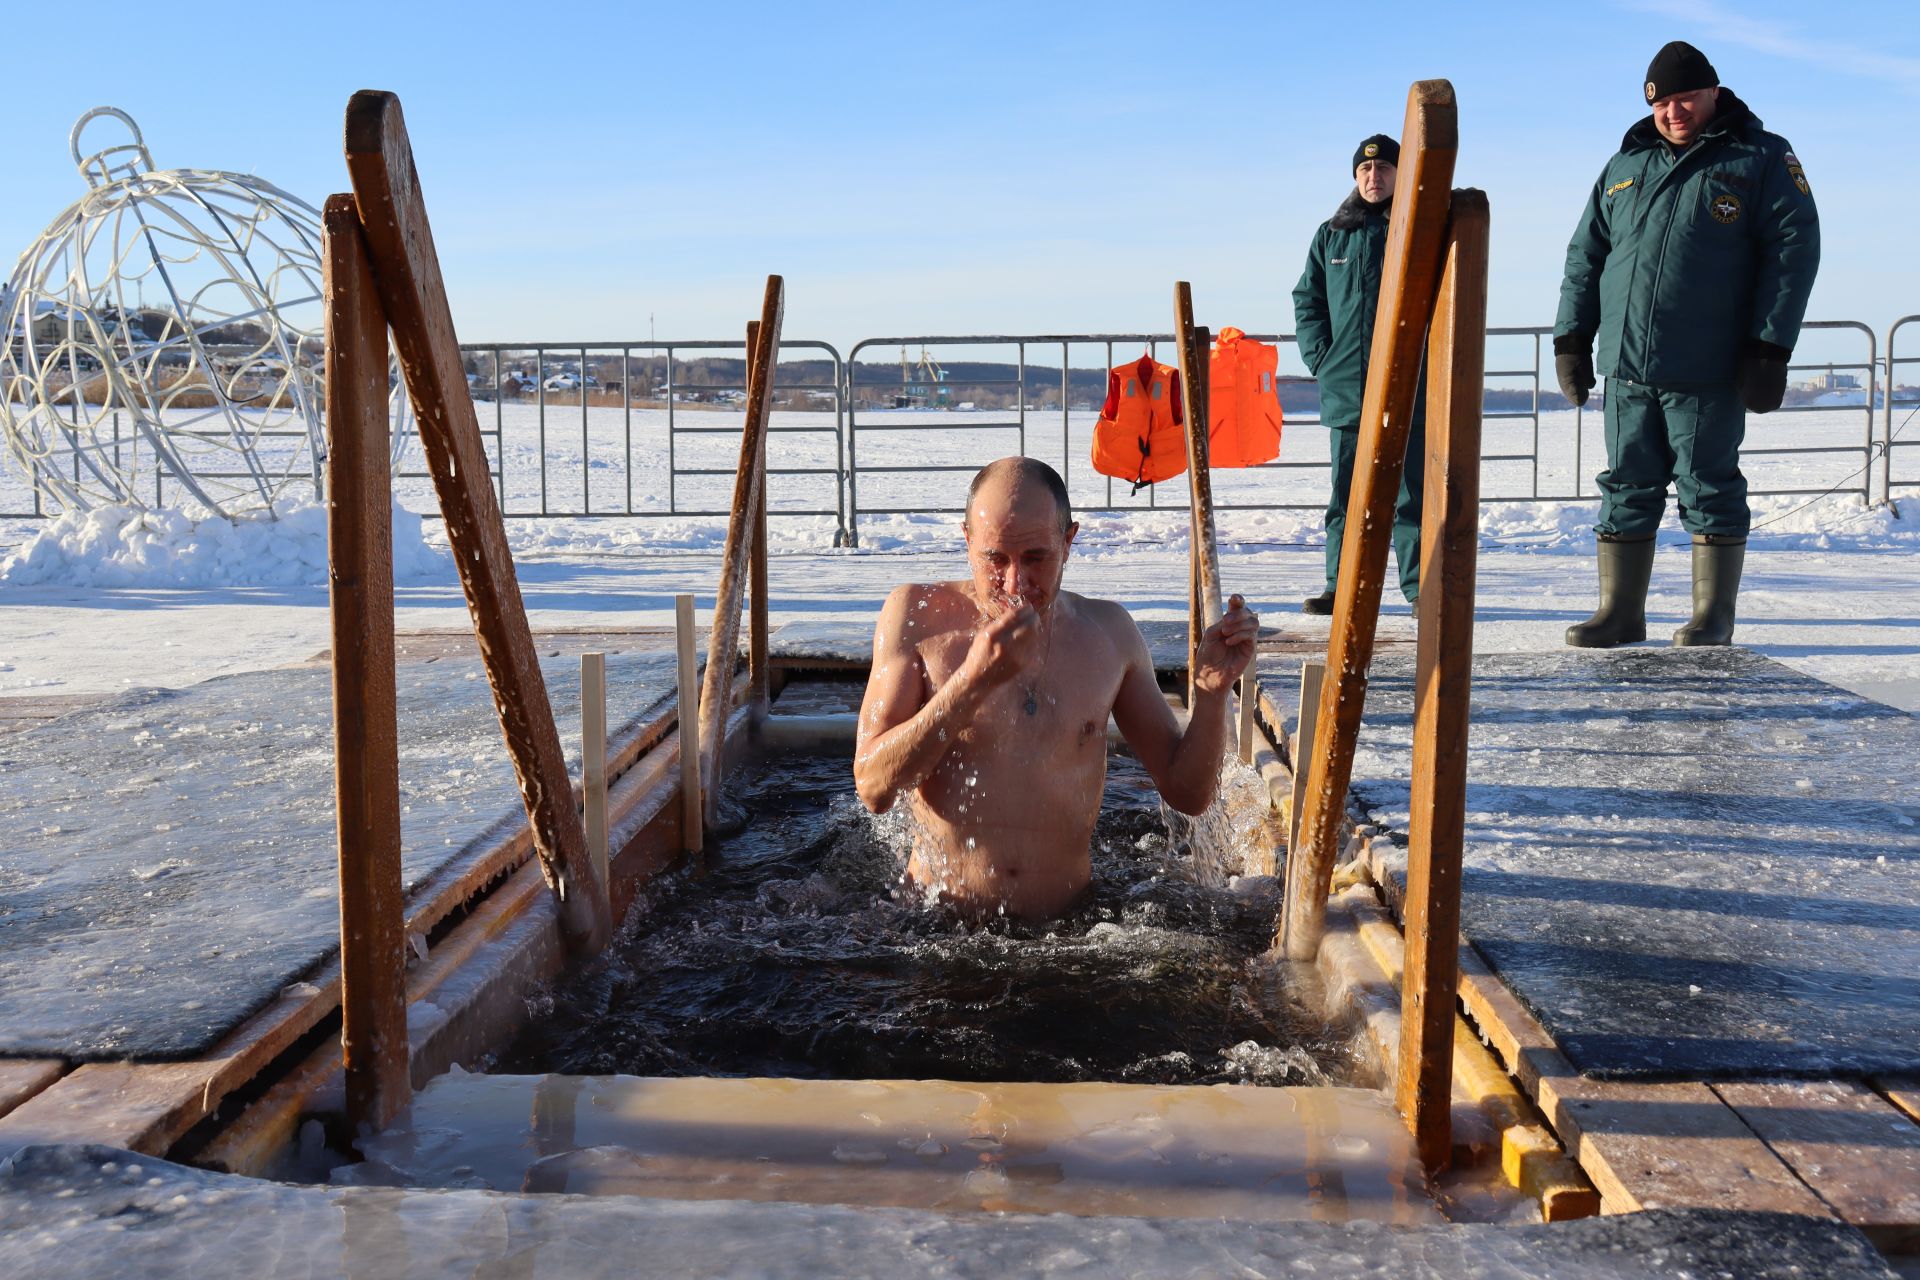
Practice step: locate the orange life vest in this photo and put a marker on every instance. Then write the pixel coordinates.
(1140, 436)
(1243, 404)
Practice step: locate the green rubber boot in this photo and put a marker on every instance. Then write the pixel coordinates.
(1717, 562)
(1625, 567)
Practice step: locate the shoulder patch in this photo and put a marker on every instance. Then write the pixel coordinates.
(1619, 186)
(1798, 174)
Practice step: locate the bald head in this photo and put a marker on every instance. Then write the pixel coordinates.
(1007, 483)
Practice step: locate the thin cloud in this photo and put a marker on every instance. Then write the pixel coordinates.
(1783, 40)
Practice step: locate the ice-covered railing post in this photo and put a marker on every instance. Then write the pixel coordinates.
(746, 531)
(1409, 280)
(1443, 670)
(406, 276)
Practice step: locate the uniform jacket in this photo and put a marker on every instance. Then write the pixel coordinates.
(1680, 260)
(1333, 307)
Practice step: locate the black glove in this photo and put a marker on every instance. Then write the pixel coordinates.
(1573, 365)
(1763, 375)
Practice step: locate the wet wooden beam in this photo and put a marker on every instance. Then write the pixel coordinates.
(724, 642)
(1847, 1143)
(1903, 1092)
(22, 1078)
(1645, 1145)
(692, 810)
(366, 744)
(1313, 672)
(1449, 541)
(1409, 282)
(406, 271)
(645, 826)
(1203, 553)
(593, 757)
(147, 1106)
(759, 644)
(1530, 1156)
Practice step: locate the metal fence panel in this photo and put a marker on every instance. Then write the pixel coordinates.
(561, 446)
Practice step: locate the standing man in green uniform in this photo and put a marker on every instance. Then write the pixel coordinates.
(1691, 265)
(1333, 308)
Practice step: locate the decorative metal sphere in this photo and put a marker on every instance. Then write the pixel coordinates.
(164, 341)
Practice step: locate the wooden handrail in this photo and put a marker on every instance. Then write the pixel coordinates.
(1409, 279)
(406, 274)
(1203, 554)
(749, 488)
(1449, 542)
(366, 759)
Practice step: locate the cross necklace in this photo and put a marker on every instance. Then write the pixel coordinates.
(1032, 704)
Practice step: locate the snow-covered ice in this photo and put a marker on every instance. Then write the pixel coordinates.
(103, 602)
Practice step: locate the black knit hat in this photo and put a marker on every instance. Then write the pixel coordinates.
(1378, 147)
(1679, 68)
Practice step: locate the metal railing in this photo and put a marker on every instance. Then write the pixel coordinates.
(1889, 434)
(862, 459)
(577, 360)
(1554, 456)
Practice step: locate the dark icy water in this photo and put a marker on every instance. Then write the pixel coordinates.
(794, 952)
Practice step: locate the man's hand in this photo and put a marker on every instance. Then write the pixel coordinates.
(1003, 647)
(1573, 366)
(1226, 647)
(1763, 375)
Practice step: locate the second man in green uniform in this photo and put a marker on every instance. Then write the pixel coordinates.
(1690, 270)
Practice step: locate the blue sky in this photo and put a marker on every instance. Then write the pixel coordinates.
(955, 168)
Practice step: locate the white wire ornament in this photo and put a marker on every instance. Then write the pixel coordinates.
(164, 341)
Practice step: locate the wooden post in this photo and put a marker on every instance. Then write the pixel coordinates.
(1203, 555)
(1409, 277)
(1249, 696)
(1449, 539)
(406, 274)
(593, 755)
(373, 991)
(759, 654)
(692, 811)
(1312, 672)
(716, 696)
(1195, 610)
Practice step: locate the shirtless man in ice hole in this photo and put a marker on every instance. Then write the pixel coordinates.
(989, 700)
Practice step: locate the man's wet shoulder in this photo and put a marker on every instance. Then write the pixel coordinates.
(927, 607)
(1108, 618)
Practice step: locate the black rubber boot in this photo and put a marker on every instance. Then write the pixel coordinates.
(1625, 567)
(1321, 604)
(1717, 562)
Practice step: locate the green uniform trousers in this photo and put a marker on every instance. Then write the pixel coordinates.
(1406, 511)
(1689, 439)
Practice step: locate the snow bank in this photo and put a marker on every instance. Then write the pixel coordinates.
(1785, 523)
(173, 547)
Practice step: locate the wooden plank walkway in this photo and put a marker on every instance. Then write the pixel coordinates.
(149, 1106)
(1832, 1149)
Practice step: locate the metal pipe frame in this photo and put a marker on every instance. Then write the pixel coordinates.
(1887, 442)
